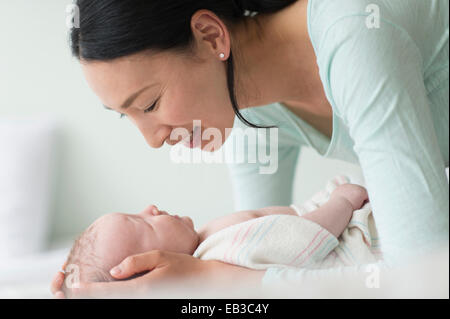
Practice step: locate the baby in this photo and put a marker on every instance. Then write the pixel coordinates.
(113, 237)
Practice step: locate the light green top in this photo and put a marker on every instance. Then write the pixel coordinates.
(388, 88)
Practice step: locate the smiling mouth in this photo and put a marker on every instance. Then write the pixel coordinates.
(185, 140)
(189, 141)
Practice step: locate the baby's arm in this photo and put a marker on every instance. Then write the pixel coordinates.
(335, 214)
(239, 217)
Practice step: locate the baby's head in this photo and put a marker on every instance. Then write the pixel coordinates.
(113, 237)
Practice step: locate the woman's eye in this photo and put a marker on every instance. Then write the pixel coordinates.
(151, 108)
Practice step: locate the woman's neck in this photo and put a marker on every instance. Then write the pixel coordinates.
(277, 62)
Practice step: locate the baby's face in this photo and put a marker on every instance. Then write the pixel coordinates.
(122, 235)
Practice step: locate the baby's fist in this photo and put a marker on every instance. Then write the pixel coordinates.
(355, 194)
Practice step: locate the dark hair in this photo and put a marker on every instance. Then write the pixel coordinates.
(111, 29)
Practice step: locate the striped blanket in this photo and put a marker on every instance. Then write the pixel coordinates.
(292, 241)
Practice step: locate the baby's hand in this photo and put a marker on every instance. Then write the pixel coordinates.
(356, 195)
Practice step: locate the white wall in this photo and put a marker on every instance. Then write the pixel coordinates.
(106, 165)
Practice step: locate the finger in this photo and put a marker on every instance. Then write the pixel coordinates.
(57, 282)
(137, 264)
(104, 289)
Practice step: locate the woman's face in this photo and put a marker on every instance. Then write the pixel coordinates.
(184, 89)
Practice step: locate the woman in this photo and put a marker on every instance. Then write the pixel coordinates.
(365, 81)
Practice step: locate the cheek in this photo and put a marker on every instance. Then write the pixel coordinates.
(148, 241)
(198, 92)
(180, 107)
(194, 101)
(173, 234)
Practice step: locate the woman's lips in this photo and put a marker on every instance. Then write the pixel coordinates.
(185, 141)
(190, 141)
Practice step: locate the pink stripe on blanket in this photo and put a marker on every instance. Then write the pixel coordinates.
(240, 243)
(312, 241)
(315, 248)
(232, 244)
(242, 240)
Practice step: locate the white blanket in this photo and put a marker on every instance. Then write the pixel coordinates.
(292, 241)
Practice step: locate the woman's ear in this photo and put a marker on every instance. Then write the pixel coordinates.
(210, 34)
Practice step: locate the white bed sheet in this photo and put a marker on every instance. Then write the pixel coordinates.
(30, 277)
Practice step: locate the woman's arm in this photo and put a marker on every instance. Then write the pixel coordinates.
(252, 189)
(375, 77)
(381, 96)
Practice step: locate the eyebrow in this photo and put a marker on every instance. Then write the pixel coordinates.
(131, 98)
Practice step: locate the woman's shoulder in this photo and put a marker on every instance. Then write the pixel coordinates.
(322, 14)
(350, 17)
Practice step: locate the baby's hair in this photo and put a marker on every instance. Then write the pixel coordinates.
(84, 262)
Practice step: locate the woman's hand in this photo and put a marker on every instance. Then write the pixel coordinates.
(56, 285)
(166, 270)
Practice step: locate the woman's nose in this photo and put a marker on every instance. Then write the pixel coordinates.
(153, 142)
(152, 133)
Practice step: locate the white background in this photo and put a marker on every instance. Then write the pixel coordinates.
(106, 166)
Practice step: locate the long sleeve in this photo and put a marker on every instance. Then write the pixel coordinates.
(377, 88)
(382, 98)
(253, 190)
(375, 83)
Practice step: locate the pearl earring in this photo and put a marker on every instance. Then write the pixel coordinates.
(222, 55)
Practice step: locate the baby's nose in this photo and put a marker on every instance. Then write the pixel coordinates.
(152, 210)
